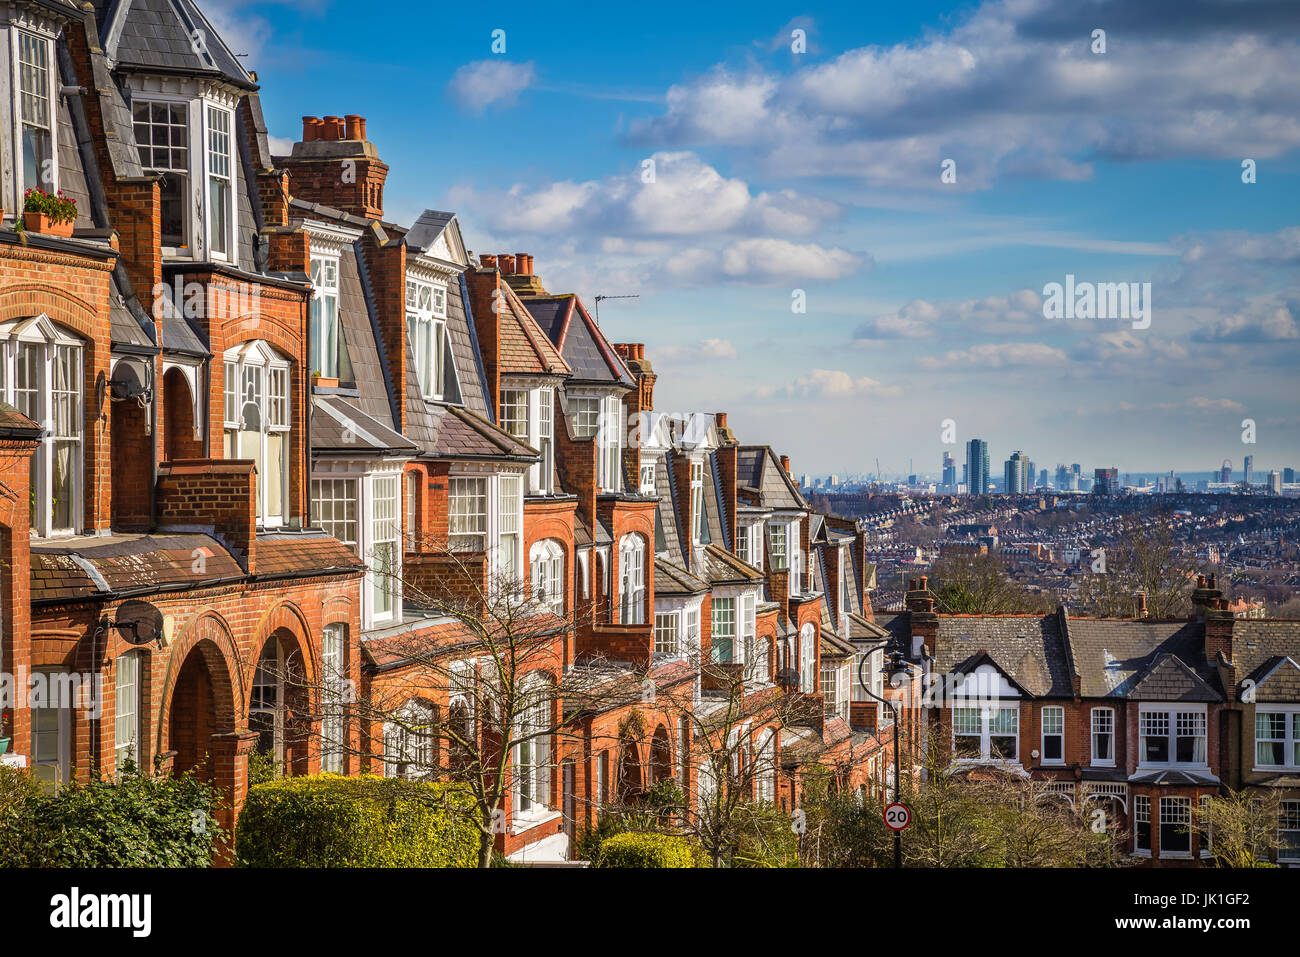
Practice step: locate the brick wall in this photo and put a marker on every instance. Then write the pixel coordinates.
(217, 492)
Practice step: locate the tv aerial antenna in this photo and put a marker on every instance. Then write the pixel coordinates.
(599, 298)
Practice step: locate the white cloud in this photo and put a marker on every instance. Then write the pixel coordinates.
(831, 384)
(921, 319)
(995, 356)
(476, 86)
(1012, 89)
(710, 350)
(763, 262)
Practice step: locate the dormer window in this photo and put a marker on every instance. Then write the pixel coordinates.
(40, 375)
(426, 329)
(36, 108)
(220, 185)
(257, 422)
(324, 337)
(162, 136)
(697, 501)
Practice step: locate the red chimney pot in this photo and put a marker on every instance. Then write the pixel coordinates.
(310, 128)
(355, 126)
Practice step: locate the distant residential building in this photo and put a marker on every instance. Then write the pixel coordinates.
(1106, 481)
(977, 466)
(1016, 473)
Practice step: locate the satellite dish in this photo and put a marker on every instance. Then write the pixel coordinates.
(131, 379)
(138, 622)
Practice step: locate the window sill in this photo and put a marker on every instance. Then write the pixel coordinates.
(1175, 855)
(531, 819)
(1102, 764)
(1141, 853)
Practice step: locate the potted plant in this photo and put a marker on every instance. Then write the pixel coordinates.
(324, 381)
(4, 732)
(51, 213)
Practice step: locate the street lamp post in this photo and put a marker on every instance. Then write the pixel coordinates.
(897, 671)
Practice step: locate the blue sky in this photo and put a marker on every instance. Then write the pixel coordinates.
(819, 171)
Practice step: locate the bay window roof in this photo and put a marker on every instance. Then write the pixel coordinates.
(155, 36)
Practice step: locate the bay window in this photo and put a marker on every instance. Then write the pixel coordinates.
(41, 376)
(510, 528)
(724, 630)
(776, 547)
(36, 109)
(808, 658)
(333, 676)
(647, 478)
(532, 766)
(584, 414)
(667, 626)
(986, 733)
(546, 570)
(324, 333)
(631, 563)
(334, 509)
(1288, 832)
(834, 702)
(426, 330)
(1171, 736)
(467, 514)
(514, 412)
(1277, 738)
(221, 225)
(1142, 824)
(162, 137)
(545, 470)
(385, 562)
(611, 444)
(258, 423)
(1175, 826)
(748, 637)
(410, 744)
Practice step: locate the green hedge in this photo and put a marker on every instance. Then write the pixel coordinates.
(645, 850)
(332, 821)
(130, 821)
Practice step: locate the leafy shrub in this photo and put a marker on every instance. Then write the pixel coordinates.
(332, 821)
(645, 850)
(59, 208)
(130, 821)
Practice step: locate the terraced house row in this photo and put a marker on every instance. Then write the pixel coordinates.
(284, 478)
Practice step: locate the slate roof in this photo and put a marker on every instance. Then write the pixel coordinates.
(1111, 655)
(1259, 648)
(672, 579)
(719, 567)
(339, 426)
(590, 357)
(1028, 648)
(460, 433)
(758, 468)
(1169, 679)
(154, 36)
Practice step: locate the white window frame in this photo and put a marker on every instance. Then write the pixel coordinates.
(41, 402)
(531, 770)
(725, 616)
(128, 701)
(1183, 806)
(542, 475)
(385, 529)
(808, 676)
(1103, 723)
(467, 527)
(1288, 850)
(274, 411)
(150, 152)
(333, 696)
(647, 478)
(631, 572)
(215, 178)
(609, 456)
(667, 633)
(1174, 721)
(986, 715)
(1141, 815)
(426, 330)
(332, 495)
(50, 127)
(514, 412)
(1058, 713)
(546, 572)
(697, 501)
(1290, 739)
(323, 337)
(402, 758)
(52, 768)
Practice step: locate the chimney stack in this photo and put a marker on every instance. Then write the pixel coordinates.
(785, 463)
(507, 263)
(1141, 603)
(334, 164)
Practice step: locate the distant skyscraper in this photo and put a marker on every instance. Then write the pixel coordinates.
(1105, 481)
(1042, 478)
(1249, 466)
(1076, 468)
(1225, 472)
(1275, 482)
(1062, 477)
(949, 469)
(803, 481)
(1016, 473)
(964, 480)
(835, 480)
(1288, 476)
(977, 466)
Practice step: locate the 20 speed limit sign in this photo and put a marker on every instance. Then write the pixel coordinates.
(898, 817)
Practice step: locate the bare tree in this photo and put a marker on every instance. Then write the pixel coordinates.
(1144, 558)
(979, 585)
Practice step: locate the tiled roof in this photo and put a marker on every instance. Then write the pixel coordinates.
(80, 568)
(1028, 648)
(402, 644)
(523, 349)
(672, 579)
(15, 425)
(1258, 644)
(295, 553)
(584, 347)
(459, 433)
(1111, 654)
(1169, 679)
(758, 468)
(1276, 680)
(719, 567)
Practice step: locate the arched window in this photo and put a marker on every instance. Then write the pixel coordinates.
(266, 704)
(257, 422)
(41, 376)
(410, 742)
(631, 565)
(546, 570)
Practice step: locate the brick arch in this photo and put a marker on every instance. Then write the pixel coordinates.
(32, 299)
(237, 332)
(207, 636)
(288, 619)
